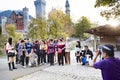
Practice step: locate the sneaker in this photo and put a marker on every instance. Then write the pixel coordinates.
(24, 66)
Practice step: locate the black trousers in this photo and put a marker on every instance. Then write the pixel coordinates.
(17, 59)
(38, 54)
(61, 59)
(43, 56)
(22, 59)
(78, 59)
(27, 61)
(51, 58)
(48, 59)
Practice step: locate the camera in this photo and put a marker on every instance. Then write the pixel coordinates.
(100, 50)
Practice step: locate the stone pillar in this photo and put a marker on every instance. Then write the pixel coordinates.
(95, 43)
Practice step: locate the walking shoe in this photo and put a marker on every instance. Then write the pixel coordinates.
(23, 66)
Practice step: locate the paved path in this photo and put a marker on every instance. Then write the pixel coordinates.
(67, 72)
(75, 71)
(5, 74)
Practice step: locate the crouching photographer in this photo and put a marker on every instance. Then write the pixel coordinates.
(110, 66)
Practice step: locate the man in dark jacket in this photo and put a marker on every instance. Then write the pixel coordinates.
(36, 48)
(86, 52)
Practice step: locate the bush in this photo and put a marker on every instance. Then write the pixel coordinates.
(3, 40)
(73, 45)
(2, 52)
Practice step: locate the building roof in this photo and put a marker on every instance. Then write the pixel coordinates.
(19, 12)
(105, 30)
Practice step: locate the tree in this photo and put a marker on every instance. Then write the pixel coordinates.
(57, 23)
(113, 5)
(3, 39)
(32, 28)
(80, 27)
(41, 28)
(11, 32)
(0, 30)
(69, 27)
(10, 29)
(38, 29)
(18, 36)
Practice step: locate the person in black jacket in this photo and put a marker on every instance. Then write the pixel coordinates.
(36, 49)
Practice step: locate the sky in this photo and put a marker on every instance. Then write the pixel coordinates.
(78, 8)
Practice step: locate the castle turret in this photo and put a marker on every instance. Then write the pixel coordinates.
(3, 23)
(67, 6)
(25, 18)
(40, 8)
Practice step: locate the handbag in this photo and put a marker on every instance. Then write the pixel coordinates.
(59, 51)
(11, 54)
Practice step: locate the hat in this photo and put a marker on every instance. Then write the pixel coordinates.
(108, 47)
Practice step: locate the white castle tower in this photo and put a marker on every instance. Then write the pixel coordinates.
(40, 8)
(3, 23)
(25, 18)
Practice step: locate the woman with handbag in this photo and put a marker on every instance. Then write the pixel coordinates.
(61, 47)
(11, 54)
(51, 51)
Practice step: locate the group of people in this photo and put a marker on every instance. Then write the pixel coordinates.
(109, 65)
(41, 52)
(38, 52)
(83, 56)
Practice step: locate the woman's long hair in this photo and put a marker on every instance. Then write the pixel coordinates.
(78, 45)
(10, 40)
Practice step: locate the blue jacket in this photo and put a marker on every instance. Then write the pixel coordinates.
(28, 47)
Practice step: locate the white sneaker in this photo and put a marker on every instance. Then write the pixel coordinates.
(24, 66)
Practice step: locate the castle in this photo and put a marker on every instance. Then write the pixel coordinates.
(18, 18)
(21, 18)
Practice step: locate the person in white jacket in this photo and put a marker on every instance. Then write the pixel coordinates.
(10, 53)
(67, 51)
